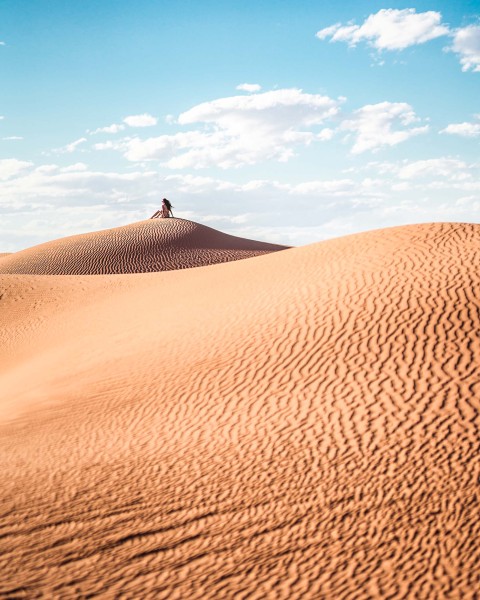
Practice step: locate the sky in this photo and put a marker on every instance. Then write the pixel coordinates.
(289, 121)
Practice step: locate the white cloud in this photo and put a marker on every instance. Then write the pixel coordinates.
(464, 129)
(74, 168)
(107, 145)
(246, 129)
(47, 201)
(466, 43)
(331, 31)
(319, 189)
(10, 167)
(237, 130)
(284, 108)
(325, 134)
(331, 187)
(69, 148)
(376, 125)
(194, 184)
(419, 176)
(12, 137)
(389, 29)
(242, 130)
(114, 128)
(73, 185)
(249, 87)
(144, 120)
(453, 169)
(3, 44)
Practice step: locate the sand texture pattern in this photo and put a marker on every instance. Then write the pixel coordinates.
(303, 424)
(143, 247)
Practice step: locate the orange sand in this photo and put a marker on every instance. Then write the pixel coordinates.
(152, 245)
(298, 425)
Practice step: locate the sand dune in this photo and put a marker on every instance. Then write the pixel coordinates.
(300, 425)
(146, 246)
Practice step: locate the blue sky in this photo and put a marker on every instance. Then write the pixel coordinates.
(278, 120)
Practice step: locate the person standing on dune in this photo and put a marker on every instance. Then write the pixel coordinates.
(165, 212)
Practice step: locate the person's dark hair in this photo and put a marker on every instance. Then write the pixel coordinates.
(168, 204)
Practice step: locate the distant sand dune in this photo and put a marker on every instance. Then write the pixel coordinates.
(146, 246)
(301, 425)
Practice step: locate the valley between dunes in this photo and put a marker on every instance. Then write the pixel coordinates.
(300, 424)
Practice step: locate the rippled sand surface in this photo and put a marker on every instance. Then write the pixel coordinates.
(303, 424)
(143, 247)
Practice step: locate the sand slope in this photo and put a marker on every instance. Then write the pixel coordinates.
(143, 247)
(300, 425)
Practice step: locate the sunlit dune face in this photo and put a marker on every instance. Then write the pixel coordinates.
(302, 424)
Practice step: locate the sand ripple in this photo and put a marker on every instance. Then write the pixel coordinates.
(143, 247)
(302, 425)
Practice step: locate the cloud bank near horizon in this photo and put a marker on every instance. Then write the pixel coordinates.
(75, 196)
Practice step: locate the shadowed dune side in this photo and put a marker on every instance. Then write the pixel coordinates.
(304, 425)
(145, 246)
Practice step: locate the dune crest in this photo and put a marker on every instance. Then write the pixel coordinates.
(302, 425)
(142, 247)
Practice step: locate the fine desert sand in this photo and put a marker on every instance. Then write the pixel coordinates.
(152, 245)
(301, 424)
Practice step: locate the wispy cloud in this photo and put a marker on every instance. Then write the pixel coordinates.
(430, 173)
(465, 129)
(114, 128)
(249, 87)
(75, 168)
(382, 124)
(10, 167)
(69, 148)
(144, 120)
(451, 168)
(466, 43)
(389, 29)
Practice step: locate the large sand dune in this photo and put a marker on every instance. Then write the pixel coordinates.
(151, 245)
(299, 425)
